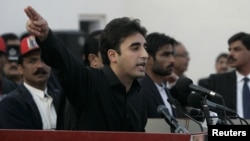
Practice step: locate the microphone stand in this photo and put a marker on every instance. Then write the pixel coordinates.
(175, 127)
(175, 104)
(225, 118)
(205, 109)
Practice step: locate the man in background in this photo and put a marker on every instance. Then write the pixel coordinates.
(34, 104)
(181, 56)
(13, 51)
(221, 66)
(231, 85)
(221, 63)
(91, 50)
(6, 85)
(160, 64)
(182, 59)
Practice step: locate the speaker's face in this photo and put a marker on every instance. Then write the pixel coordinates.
(132, 59)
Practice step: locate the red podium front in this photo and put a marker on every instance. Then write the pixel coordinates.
(43, 135)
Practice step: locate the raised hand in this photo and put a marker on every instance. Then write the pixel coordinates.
(36, 25)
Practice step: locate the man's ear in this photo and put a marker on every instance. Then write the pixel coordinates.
(112, 55)
(91, 57)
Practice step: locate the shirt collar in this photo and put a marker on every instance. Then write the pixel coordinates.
(35, 91)
(240, 77)
(110, 75)
(113, 79)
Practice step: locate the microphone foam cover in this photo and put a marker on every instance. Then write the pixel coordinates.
(183, 83)
(181, 90)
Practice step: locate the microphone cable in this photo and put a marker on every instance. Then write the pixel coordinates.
(225, 118)
(240, 119)
(237, 116)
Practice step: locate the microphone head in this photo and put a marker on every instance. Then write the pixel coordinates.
(194, 100)
(182, 90)
(182, 84)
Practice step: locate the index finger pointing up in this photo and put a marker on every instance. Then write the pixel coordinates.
(31, 13)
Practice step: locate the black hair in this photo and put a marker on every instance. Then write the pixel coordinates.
(91, 45)
(156, 41)
(241, 36)
(9, 36)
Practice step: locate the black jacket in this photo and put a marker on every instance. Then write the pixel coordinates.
(226, 85)
(18, 110)
(7, 85)
(154, 98)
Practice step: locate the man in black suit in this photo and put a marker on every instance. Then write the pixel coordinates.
(160, 63)
(230, 84)
(34, 103)
(6, 85)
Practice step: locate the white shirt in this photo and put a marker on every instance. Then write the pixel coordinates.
(240, 82)
(164, 97)
(45, 106)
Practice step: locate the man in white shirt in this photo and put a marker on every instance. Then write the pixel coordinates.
(33, 104)
(231, 84)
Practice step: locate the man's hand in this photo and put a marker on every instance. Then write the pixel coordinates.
(36, 25)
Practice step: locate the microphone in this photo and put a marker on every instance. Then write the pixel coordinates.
(186, 85)
(176, 105)
(197, 101)
(194, 100)
(175, 127)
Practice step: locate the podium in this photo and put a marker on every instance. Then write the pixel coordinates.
(62, 135)
(156, 130)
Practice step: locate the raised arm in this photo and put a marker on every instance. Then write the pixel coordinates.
(36, 25)
(71, 71)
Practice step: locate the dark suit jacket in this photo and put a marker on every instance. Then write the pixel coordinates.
(7, 85)
(18, 110)
(224, 84)
(153, 97)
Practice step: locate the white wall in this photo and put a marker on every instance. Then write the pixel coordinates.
(204, 26)
(61, 14)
